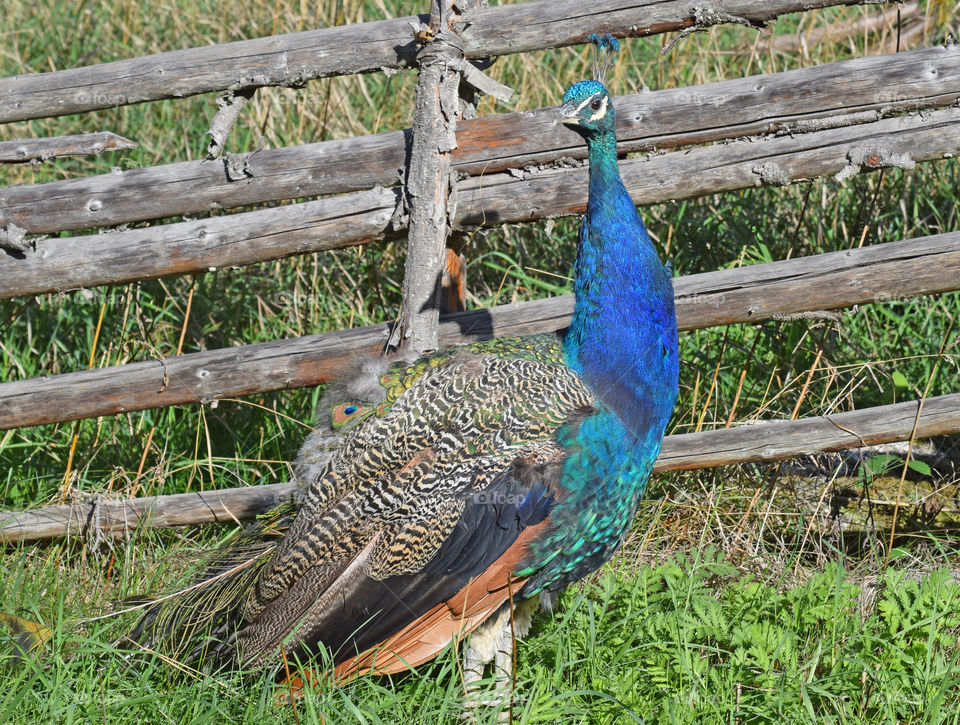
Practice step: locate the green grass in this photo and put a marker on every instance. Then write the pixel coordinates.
(782, 627)
(693, 639)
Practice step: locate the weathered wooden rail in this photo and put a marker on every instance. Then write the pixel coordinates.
(847, 93)
(249, 237)
(761, 442)
(873, 274)
(291, 60)
(36, 150)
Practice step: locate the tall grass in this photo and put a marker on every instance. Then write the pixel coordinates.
(758, 635)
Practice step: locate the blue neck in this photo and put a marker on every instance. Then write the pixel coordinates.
(622, 341)
(623, 335)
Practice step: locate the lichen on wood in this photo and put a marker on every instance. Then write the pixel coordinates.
(874, 157)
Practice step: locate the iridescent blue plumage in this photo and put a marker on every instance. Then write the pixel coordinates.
(623, 342)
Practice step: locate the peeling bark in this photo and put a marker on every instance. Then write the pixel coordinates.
(427, 185)
(229, 104)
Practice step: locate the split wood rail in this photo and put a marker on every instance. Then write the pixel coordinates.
(840, 119)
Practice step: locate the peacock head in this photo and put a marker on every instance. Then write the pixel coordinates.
(587, 109)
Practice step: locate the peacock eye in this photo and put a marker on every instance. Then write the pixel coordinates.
(596, 104)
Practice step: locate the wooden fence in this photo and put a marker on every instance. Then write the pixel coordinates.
(839, 119)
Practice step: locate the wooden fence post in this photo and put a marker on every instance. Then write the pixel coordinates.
(429, 180)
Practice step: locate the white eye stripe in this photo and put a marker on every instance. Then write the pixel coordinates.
(602, 112)
(580, 107)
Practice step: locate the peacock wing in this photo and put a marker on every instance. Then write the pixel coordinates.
(441, 490)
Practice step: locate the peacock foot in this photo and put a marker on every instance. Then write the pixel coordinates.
(494, 643)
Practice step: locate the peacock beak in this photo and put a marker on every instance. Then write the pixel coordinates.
(569, 113)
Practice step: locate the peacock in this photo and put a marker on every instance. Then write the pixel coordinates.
(453, 494)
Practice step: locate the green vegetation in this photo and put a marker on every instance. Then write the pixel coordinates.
(691, 640)
(793, 622)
